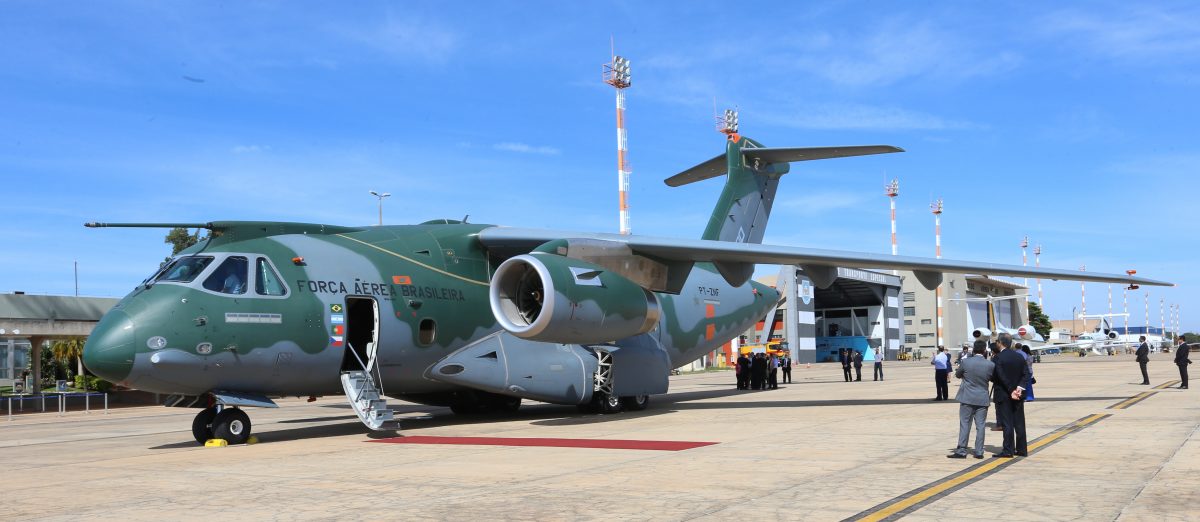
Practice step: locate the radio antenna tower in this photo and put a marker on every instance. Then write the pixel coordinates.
(1025, 262)
(616, 74)
(1125, 302)
(936, 208)
(1037, 262)
(1083, 292)
(892, 190)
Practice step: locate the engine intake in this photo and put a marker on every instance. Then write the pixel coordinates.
(551, 298)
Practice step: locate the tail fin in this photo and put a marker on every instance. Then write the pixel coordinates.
(745, 204)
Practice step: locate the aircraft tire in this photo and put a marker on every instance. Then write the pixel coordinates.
(202, 424)
(635, 402)
(610, 403)
(233, 425)
(507, 404)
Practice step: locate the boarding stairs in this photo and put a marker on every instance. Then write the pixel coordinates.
(366, 398)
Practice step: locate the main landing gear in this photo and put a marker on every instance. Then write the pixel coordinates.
(221, 422)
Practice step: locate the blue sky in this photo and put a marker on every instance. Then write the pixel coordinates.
(1072, 123)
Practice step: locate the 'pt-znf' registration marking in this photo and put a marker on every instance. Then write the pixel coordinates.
(709, 291)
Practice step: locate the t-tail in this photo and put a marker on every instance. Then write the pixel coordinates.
(745, 204)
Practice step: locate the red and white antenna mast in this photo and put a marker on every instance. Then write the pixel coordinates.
(936, 208)
(1025, 261)
(1146, 298)
(1083, 293)
(1125, 302)
(1162, 321)
(616, 74)
(1037, 262)
(892, 190)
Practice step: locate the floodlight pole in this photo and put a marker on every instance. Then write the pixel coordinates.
(380, 196)
(616, 74)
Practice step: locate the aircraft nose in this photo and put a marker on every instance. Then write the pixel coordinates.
(109, 350)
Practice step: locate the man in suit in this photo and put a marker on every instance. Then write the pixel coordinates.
(1143, 357)
(1010, 373)
(785, 364)
(973, 400)
(941, 374)
(1182, 361)
(857, 358)
(844, 356)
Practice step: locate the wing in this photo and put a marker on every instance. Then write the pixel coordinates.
(819, 264)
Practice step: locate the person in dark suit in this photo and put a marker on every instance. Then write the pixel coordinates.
(743, 372)
(844, 356)
(1009, 376)
(1182, 361)
(758, 372)
(857, 358)
(785, 364)
(1143, 357)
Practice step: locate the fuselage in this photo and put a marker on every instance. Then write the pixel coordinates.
(284, 311)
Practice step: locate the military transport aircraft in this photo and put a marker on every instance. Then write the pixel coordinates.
(470, 316)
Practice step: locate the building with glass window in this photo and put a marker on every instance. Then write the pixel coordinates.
(959, 318)
(29, 321)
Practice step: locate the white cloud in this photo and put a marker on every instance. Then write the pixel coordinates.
(526, 148)
(406, 37)
(248, 149)
(1137, 33)
(846, 116)
(819, 203)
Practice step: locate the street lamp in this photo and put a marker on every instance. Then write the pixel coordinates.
(380, 196)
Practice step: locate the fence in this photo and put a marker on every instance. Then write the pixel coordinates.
(16, 403)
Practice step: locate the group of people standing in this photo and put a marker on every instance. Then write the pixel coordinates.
(851, 358)
(1010, 373)
(761, 371)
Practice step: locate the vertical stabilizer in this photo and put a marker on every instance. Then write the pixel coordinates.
(745, 203)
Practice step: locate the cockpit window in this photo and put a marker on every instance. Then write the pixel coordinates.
(184, 269)
(267, 281)
(230, 277)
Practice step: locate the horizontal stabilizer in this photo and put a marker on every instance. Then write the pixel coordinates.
(717, 165)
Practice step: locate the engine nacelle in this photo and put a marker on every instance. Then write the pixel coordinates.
(1026, 332)
(1111, 334)
(981, 334)
(551, 298)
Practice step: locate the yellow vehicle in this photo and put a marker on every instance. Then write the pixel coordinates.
(770, 348)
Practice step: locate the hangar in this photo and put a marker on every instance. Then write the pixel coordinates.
(860, 310)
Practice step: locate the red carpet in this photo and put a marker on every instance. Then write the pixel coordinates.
(658, 445)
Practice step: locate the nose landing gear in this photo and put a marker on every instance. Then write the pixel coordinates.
(230, 424)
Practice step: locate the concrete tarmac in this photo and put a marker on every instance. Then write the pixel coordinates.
(817, 449)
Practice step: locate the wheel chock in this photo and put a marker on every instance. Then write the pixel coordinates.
(252, 440)
(216, 443)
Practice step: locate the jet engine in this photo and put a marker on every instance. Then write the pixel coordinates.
(1111, 334)
(981, 334)
(551, 298)
(1026, 332)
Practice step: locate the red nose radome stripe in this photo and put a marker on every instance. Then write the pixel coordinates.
(655, 445)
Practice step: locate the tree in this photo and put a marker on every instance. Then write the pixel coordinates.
(65, 350)
(1039, 320)
(1189, 337)
(179, 238)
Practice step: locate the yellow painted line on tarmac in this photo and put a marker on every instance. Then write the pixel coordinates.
(1132, 400)
(919, 497)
